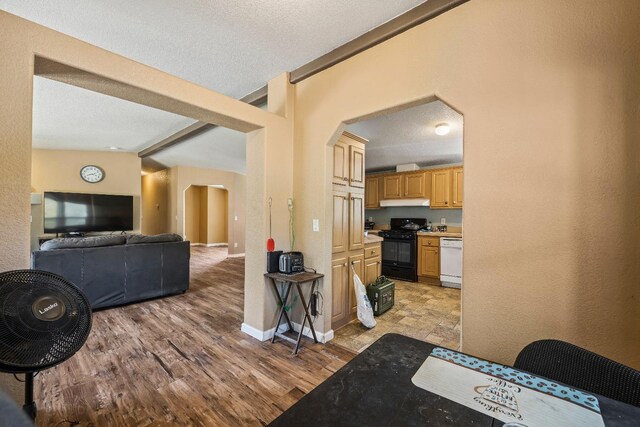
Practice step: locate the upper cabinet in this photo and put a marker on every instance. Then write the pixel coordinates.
(341, 163)
(356, 166)
(458, 187)
(392, 187)
(417, 184)
(444, 187)
(348, 161)
(371, 193)
(440, 188)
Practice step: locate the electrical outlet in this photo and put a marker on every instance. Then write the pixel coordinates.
(235, 245)
(290, 202)
(235, 218)
(443, 221)
(370, 219)
(316, 224)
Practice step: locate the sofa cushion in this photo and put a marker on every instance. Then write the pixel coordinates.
(82, 242)
(133, 239)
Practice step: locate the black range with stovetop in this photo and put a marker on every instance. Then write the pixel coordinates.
(400, 247)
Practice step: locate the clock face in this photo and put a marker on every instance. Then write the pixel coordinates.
(92, 174)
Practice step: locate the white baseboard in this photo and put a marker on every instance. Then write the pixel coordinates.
(221, 245)
(257, 333)
(268, 334)
(235, 255)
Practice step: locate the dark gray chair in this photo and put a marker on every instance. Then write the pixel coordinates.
(580, 368)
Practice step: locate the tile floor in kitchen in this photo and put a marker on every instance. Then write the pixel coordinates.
(426, 312)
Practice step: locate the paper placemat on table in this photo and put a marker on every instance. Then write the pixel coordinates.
(505, 393)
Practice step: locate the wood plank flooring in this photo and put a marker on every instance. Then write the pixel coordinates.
(425, 312)
(182, 361)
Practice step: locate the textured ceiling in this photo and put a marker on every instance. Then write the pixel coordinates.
(408, 136)
(86, 120)
(232, 47)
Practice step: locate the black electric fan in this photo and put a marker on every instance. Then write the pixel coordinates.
(44, 320)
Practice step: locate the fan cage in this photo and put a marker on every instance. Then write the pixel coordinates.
(28, 344)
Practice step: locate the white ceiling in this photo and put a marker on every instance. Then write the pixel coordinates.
(232, 47)
(408, 136)
(86, 120)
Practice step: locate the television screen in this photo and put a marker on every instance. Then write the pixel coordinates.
(78, 212)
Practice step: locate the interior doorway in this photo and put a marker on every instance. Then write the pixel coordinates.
(412, 219)
(206, 219)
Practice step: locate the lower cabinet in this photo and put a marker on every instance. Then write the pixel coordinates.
(339, 288)
(357, 261)
(372, 263)
(367, 265)
(429, 257)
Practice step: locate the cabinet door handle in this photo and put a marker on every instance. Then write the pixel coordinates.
(344, 265)
(345, 179)
(446, 203)
(436, 252)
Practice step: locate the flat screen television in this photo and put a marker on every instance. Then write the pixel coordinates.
(81, 213)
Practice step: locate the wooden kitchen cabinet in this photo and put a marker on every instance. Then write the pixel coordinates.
(356, 221)
(372, 270)
(372, 263)
(371, 193)
(340, 292)
(341, 163)
(416, 186)
(392, 186)
(357, 261)
(340, 222)
(356, 166)
(440, 188)
(348, 224)
(429, 257)
(457, 187)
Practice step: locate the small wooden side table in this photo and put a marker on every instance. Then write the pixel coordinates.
(289, 280)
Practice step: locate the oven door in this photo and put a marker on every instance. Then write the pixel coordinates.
(399, 252)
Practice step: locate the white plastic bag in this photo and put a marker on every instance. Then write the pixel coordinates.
(365, 312)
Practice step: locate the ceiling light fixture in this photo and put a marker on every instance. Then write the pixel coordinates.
(114, 148)
(442, 129)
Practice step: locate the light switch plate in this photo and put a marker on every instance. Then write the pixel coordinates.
(443, 221)
(316, 224)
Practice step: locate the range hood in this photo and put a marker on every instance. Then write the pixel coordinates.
(404, 202)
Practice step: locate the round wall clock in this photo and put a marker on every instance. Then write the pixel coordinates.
(92, 174)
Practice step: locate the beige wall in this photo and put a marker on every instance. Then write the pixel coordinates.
(217, 215)
(549, 91)
(59, 170)
(72, 61)
(192, 214)
(205, 215)
(181, 177)
(155, 203)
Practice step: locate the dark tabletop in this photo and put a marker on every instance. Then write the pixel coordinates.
(375, 389)
(305, 276)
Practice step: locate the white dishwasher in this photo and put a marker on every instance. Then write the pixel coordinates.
(451, 262)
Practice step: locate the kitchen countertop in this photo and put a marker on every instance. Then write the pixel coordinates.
(439, 234)
(372, 239)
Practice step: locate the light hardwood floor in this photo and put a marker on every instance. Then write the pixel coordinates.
(425, 312)
(182, 361)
